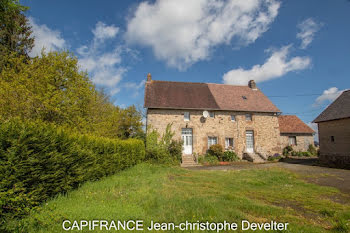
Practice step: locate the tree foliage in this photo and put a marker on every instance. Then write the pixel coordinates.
(15, 32)
(51, 88)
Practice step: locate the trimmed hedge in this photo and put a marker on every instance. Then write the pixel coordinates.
(39, 160)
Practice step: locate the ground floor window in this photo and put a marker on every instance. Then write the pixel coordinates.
(228, 143)
(212, 141)
(292, 140)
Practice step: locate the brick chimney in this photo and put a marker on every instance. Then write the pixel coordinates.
(252, 85)
(149, 77)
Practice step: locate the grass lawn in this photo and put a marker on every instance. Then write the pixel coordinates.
(171, 194)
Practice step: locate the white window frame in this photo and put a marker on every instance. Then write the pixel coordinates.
(187, 116)
(212, 114)
(227, 143)
(234, 118)
(211, 139)
(248, 117)
(291, 139)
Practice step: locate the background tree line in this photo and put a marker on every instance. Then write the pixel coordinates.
(51, 87)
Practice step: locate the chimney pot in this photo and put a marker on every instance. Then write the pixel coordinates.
(252, 85)
(149, 77)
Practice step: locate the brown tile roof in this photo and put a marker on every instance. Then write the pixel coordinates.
(205, 96)
(292, 124)
(339, 109)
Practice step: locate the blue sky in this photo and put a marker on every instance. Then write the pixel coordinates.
(297, 51)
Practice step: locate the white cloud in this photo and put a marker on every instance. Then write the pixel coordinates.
(135, 87)
(277, 65)
(307, 30)
(46, 38)
(104, 67)
(183, 32)
(103, 31)
(328, 96)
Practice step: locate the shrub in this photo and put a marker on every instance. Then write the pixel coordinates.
(301, 153)
(287, 150)
(230, 156)
(216, 150)
(39, 160)
(163, 149)
(274, 157)
(312, 150)
(207, 158)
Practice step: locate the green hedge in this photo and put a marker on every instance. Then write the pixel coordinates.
(38, 161)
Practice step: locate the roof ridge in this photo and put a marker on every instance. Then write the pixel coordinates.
(199, 83)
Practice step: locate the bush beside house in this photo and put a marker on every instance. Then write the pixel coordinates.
(216, 154)
(163, 149)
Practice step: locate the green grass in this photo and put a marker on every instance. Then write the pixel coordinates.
(170, 194)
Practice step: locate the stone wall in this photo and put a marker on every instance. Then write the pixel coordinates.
(303, 141)
(335, 153)
(338, 161)
(264, 125)
(340, 130)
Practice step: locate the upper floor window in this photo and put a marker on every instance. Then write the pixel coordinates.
(212, 114)
(292, 140)
(248, 117)
(186, 116)
(233, 118)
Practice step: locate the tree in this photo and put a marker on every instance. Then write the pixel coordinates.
(15, 32)
(130, 123)
(51, 88)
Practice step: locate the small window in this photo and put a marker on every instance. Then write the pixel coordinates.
(212, 114)
(228, 143)
(186, 116)
(212, 141)
(233, 118)
(292, 140)
(332, 138)
(248, 117)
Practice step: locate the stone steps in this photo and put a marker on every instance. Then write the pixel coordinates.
(188, 161)
(253, 157)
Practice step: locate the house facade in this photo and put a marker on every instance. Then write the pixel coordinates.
(241, 118)
(334, 132)
(294, 132)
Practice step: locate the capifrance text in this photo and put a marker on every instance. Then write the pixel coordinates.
(140, 225)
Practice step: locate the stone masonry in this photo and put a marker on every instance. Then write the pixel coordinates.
(264, 125)
(302, 141)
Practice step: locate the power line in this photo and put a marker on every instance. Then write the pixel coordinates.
(285, 96)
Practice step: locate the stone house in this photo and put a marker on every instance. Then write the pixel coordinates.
(294, 132)
(334, 132)
(241, 118)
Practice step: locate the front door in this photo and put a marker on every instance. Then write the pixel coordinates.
(187, 141)
(250, 141)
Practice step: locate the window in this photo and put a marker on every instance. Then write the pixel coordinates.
(212, 114)
(212, 141)
(233, 118)
(186, 116)
(248, 117)
(332, 138)
(292, 140)
(228, 143)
